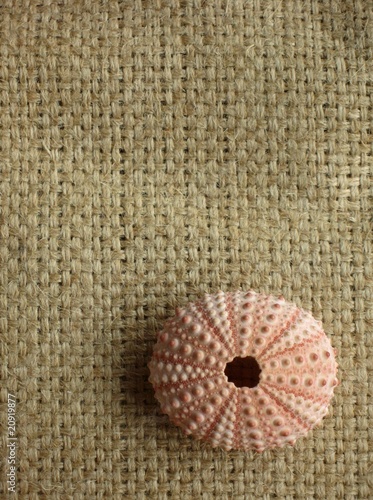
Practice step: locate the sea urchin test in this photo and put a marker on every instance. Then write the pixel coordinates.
(244, 371)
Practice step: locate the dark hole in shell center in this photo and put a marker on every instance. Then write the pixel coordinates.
(243, 372)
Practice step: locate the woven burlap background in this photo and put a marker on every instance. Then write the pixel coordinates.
(152, 151)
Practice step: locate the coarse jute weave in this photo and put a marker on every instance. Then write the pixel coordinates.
(152, 151)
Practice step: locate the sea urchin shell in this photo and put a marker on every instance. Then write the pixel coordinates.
(244, 370)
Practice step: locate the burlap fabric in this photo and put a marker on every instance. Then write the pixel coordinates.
(152, 151)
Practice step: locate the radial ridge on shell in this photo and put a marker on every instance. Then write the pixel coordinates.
(244, 370)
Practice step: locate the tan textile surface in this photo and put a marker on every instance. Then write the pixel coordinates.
(152, 151)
